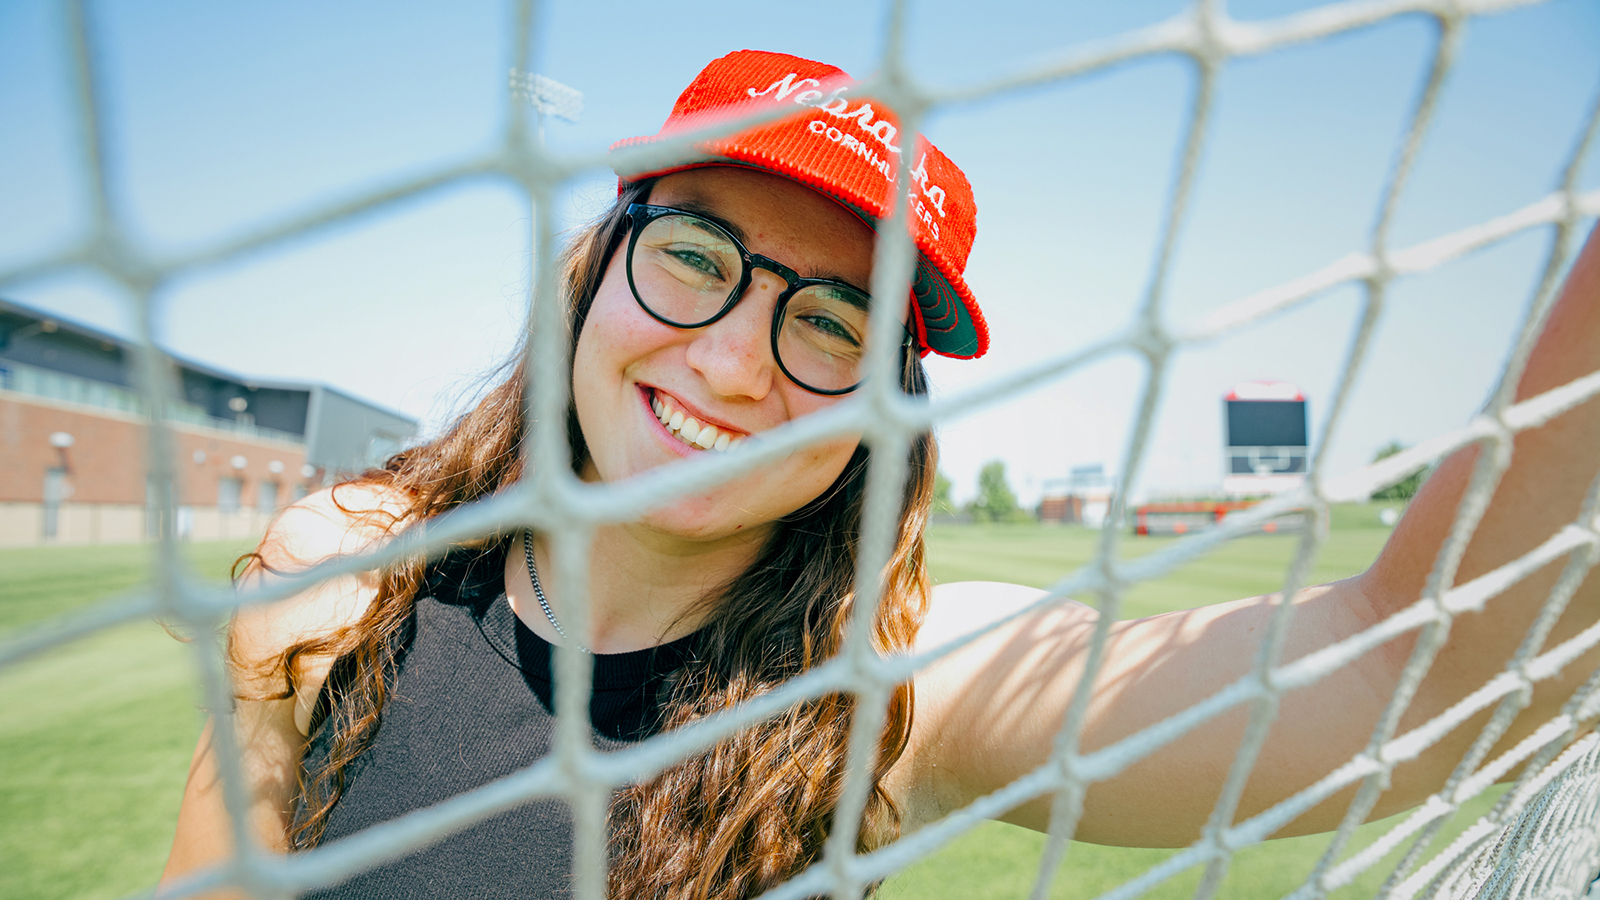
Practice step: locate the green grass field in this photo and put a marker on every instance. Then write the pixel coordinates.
(95, 736)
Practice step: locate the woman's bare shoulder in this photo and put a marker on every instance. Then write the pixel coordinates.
(344, 520)
(960, 608)
(337, 521)
(995, 628)
(272, 715)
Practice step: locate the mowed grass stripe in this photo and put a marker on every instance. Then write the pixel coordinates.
(1039, 556)
(95, 736)
(95, 740)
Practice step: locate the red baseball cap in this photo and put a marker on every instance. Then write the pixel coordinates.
(848, 148)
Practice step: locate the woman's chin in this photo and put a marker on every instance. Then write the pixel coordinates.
(750, 504)
(706, 520)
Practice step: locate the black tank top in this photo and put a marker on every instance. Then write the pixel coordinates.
(470, 703)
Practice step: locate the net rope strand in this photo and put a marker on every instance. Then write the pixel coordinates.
(1376, 290)
(1579, 562)
(1151, 339)
(1510, 849)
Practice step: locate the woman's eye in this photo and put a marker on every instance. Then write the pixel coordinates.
(829, 326)
(698, 260)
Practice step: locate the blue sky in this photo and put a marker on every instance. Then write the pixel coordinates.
(224, 117)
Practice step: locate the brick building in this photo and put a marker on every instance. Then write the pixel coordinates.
(1082, 498)
(73, 446)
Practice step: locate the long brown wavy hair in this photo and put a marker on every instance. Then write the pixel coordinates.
(736, 819)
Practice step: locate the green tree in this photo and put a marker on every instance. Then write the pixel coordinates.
(995, 501)
(1405, 488)
(942, 504)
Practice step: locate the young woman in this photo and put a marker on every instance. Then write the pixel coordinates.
(712, 303)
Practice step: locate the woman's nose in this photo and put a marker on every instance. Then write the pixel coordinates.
(734, 353)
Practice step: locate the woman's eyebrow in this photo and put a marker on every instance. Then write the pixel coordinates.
(705, 211)
(859, 298)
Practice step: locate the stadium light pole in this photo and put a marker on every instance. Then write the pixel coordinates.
(549, 97)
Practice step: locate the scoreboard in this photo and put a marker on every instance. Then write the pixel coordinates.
(1266, 438)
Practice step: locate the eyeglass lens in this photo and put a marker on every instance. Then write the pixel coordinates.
(685, 270)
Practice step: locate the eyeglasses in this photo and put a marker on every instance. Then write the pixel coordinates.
(687, 271)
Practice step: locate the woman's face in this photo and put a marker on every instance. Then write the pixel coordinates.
(724, 374)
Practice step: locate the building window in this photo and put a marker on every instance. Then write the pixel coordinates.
(56, 491)
(229, 492)
(297, 493)
(267, 496)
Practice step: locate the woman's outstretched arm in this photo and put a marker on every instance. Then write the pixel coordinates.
(270, 725)
(990, 713)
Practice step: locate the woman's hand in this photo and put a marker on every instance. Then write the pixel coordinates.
(989, 713)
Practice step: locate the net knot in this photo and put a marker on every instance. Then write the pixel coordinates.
(1450, 14)
(195, 604)
(1437, 611)
(108, 249)
(1384, 270)
(1521, 671)
(1384, 766)
(1499, 428)
(867, 670)
(1070, 764)
(1209, 44)
(1263, 686)
(1152, 340)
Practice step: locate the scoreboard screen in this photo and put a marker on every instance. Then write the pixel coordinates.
(1266, 423)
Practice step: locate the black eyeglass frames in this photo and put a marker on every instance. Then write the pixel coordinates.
(688, 271)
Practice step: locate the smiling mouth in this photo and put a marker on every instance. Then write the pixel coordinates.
(689, 430)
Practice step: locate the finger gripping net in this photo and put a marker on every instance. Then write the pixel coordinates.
(1541, 840)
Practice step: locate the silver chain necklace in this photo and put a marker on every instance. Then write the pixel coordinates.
(538, 591)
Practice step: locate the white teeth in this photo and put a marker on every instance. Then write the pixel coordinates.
(689, 429)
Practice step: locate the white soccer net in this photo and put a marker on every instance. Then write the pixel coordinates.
(1541, 840)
